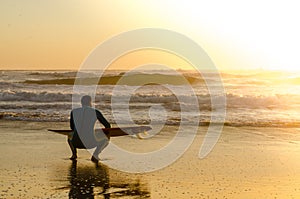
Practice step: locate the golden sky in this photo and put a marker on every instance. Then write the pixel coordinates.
(59, 34)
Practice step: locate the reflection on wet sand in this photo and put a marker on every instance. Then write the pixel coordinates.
(92, 181)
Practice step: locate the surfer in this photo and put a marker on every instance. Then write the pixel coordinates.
(82, 123)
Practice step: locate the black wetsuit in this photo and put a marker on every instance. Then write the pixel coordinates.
(86, 113)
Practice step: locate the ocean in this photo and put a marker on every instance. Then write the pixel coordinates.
(253, 98)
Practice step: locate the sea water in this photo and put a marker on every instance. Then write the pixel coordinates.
(253, 98)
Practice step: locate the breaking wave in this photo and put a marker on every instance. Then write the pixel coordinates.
(257, 99)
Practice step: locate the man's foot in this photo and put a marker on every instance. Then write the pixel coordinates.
(95, 160)
(73, 157)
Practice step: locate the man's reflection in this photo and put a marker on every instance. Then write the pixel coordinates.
(90, 181)
(86, 182)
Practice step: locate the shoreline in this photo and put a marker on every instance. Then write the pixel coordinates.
(246, 162)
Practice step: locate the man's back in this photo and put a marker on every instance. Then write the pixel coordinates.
(83, 121)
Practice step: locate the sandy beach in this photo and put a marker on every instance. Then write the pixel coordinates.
(247, 162)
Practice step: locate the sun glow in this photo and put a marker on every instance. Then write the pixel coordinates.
(235, 34)
(150, 56)
(253, 34)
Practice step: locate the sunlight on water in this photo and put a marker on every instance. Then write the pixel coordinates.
(256, 98)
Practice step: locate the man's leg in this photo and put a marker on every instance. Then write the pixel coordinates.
(73, 149)
(100, 146)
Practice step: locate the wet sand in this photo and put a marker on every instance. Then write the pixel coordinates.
(247, 162)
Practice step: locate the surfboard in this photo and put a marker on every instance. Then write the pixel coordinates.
(112, 132)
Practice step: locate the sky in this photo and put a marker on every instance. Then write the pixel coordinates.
(60, 34)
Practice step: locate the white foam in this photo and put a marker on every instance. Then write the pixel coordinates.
(250, 100)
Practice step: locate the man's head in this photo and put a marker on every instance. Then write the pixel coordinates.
(86, 100)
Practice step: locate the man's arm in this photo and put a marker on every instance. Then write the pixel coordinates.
(102, 119)
(72, 122)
